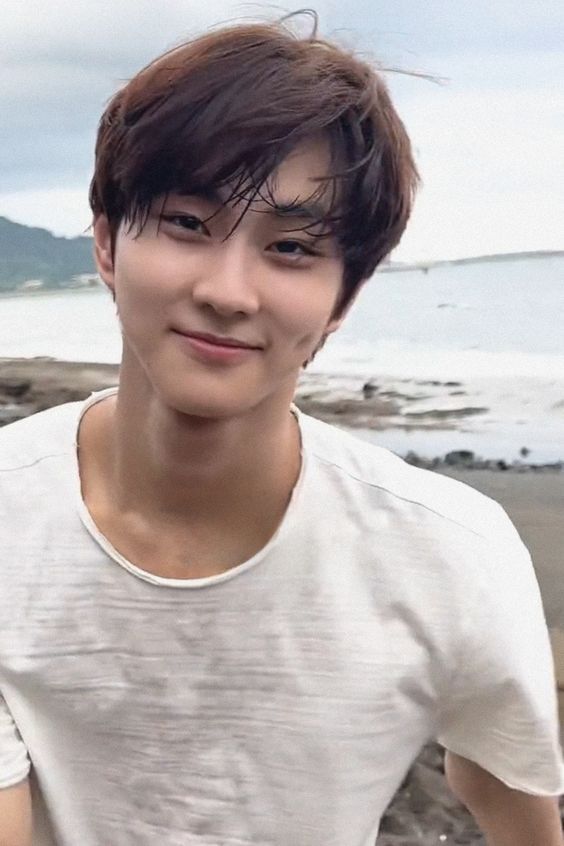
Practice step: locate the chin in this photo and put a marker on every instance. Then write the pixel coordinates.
(223, 395)
(206, 407)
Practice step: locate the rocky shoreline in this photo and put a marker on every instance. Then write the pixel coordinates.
(31, 385)
(423, 810)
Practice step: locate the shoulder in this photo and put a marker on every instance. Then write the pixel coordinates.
(44, 435)
(378, 476)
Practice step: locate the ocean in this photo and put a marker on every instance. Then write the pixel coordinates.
(495, 327)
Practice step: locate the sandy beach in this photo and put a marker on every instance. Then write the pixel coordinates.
(423, 810)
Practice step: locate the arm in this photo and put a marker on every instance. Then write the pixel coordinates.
(15, 815)
(507, 817)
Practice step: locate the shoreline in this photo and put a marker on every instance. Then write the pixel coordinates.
(29, 385)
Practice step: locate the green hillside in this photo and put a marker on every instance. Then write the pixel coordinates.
(28, 253)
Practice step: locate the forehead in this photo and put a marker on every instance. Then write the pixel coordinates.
(302, 172)
(297, 188)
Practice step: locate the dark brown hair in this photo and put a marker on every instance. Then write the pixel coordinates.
(226, 108)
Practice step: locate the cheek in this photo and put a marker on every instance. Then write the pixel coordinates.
(300, 318)
(309, 310)
(138, 299)
(143, 279)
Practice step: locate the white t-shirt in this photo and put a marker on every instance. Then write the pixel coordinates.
(281, 702)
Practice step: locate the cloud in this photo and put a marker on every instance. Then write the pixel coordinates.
(64, 211)
(60, 64)
(488, 146)
(438, 27)
(488, 142)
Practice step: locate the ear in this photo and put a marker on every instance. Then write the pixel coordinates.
(336, 322)
(103, 250)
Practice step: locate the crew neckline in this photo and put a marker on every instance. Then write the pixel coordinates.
(207, 581)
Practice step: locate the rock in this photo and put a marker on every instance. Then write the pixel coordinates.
(31, 385)
(398, 823)
(447, 413)
(429, 786)
(15, 388)
(412, 458)
(460, 457)
(349, 412)
(425, 811)
(432, 755)
(369, 389)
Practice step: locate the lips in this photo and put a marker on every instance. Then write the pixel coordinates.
(218, 340)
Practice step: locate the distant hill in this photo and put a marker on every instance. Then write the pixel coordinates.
(531, 254)
(427, 265)
(28, 253)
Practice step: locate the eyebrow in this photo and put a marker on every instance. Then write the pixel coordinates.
(305, 210)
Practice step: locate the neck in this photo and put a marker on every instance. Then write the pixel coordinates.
(165, 464)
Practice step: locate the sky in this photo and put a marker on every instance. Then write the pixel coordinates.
(488, 136)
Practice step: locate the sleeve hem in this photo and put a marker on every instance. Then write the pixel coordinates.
(509, 780)
(12, 781)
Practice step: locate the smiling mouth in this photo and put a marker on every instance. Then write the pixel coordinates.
(217, 341)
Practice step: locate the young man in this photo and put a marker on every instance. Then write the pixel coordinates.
(222, 621)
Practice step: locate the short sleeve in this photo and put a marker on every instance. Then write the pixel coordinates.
(14, 760)
(500, 710)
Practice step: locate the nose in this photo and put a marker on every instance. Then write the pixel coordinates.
(228, 280)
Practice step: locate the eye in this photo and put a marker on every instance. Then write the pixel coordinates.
(185, 222)
(293, 249)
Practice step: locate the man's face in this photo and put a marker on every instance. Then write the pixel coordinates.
(264, 287)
